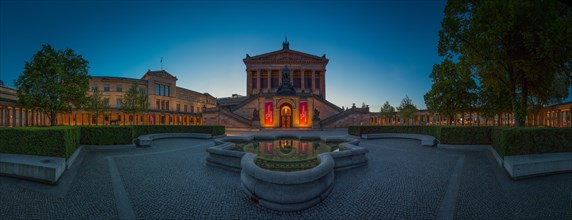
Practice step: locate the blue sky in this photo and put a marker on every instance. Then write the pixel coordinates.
(378, 50)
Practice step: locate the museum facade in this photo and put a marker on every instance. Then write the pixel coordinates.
(285, 89)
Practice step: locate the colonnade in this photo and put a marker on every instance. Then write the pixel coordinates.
(547, 118)
(13, 116)
(260, 81)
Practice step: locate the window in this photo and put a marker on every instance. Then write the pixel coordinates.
(119, 88)
(162, 104)
(274, 82)
(158, 104)
(317, 81)
(185, 108)
(106, 88)
(118, 103)
(167, 105)
(167, 91)
(254, 82)
(106, 102)
(157, 89)
(94, 88)
(178, 107)
(192, 109)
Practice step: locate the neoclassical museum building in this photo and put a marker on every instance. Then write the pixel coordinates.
(168, 103)
(285, 89)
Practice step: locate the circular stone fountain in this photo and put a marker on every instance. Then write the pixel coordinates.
(287, 191)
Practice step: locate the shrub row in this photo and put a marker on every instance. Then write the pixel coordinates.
(63, 141)
(429, 130)
(45, 141)
(214, 130)
(519, 141)
(507, 141)
(102, 135)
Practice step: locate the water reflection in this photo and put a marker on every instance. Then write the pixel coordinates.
(287, 154)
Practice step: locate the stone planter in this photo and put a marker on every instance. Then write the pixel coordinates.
(287, 191)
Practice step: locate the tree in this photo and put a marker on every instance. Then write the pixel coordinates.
(96, 104)
(453, 91)
(53, 82)
(524, 46)
(387, 111)
(407, 109)
(135, 101)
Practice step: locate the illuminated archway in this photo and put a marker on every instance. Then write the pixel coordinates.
(286, 116)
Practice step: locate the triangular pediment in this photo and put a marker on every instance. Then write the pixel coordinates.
(286, 56)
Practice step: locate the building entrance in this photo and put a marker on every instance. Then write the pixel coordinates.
(286, 116)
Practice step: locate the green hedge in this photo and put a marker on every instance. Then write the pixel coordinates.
(520, 141)
(465, 135)
(506, 141)
(45, 141)
(429, 130)
(215, 130)
(106, 135)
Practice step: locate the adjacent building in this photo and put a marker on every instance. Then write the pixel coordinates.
(168, 104)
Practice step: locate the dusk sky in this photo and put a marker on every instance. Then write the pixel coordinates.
(378, 50)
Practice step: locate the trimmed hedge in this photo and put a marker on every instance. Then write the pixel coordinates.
(429, 130)
(520, 141)
(506, 141)
(465, 135)
(214, 130)
(44, 141)
(106, 135)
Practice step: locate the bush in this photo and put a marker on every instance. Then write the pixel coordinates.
(465, 135)
(520, 141)
(506, 141)
(43, 141)
(106, 135)
(429, 130)
(215, 130)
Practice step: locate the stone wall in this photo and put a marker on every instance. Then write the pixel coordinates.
(354, 118)
(326, 111)
(216, 117)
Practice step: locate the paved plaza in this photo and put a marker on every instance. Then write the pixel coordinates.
(403, 180)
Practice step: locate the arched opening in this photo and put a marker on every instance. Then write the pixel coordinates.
(286, 116)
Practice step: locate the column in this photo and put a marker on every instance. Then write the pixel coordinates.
(27, 118)
(323, 84)
(292, 77)
(248, 82)
(258, 81)
(302, 79)
(313, 83)
(269, 80)
(279, 77)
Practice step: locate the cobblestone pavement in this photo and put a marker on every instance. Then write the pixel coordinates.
(403, 180)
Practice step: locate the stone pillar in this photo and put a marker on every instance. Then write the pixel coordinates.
(323, 84)
(27, 118)
(292, 77)
(248, 82)
(269, 80)
(258, 81)
(302, 79)
(279, 77)
(313, 81)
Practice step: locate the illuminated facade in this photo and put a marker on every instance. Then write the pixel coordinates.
(168, 104)
(285, 89)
